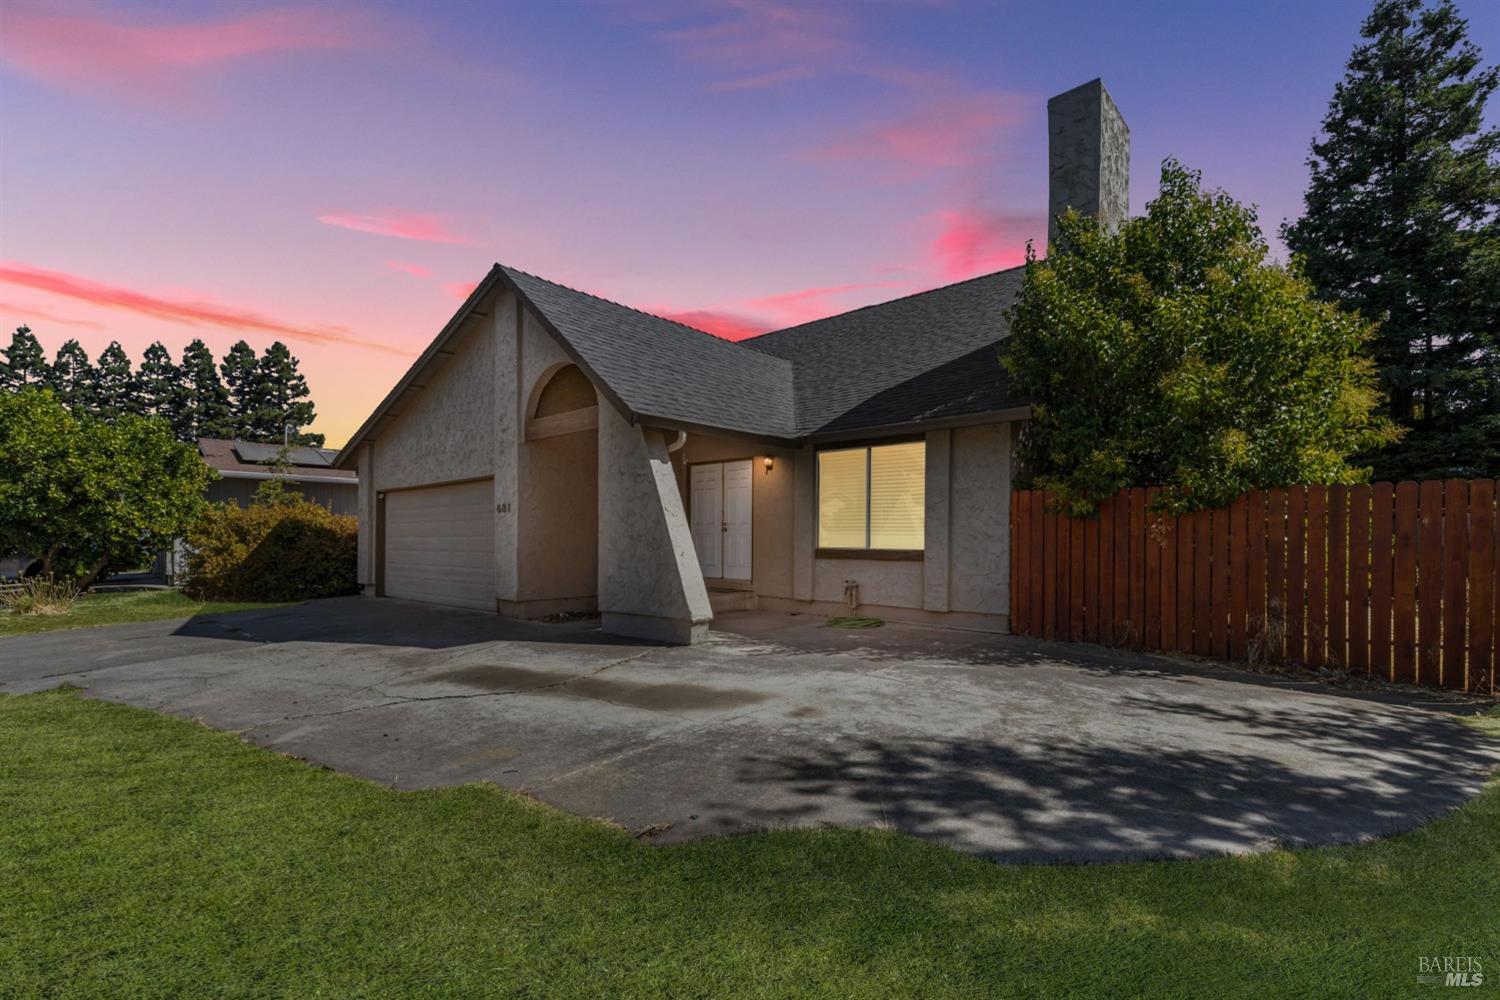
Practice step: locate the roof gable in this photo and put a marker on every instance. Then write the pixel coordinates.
(923, 357)
(664, 370)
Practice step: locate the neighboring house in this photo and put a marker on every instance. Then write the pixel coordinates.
(243, 465)
(553, 451)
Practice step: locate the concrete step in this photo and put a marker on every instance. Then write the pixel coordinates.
(732, 600)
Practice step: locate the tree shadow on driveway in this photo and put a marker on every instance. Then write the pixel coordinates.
(1073, 801)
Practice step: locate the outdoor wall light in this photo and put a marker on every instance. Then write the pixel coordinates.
(769, 462)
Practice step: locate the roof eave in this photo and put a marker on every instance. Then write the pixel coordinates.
(345, 457)
(1002, 416)
(694, 427)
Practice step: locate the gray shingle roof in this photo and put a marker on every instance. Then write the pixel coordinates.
(666, 370)
(927, 356)
(921, 357)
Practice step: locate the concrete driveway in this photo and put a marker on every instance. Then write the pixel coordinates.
(1005, 747)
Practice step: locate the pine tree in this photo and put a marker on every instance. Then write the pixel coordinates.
(114, 383)
(72, 377)
(158, 385)
(283, 399)
(1402, 223)
(204, 405)
(242, 380)
(24, 364)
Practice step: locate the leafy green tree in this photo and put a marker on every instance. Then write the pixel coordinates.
(282, 399)
(241, 373)
(1402, 224)
(85, 494)
(204, 409)
(1172, 353)
(158, 385)
(72, 377)
(24, 364)
(114, 383)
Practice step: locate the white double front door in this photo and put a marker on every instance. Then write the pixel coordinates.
(720, 503)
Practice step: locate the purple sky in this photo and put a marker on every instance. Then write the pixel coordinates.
(338, 176)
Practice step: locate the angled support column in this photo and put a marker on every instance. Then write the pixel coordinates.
(650, 584)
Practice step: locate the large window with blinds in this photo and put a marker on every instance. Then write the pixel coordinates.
(873, 497)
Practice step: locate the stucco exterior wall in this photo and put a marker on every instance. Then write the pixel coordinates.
(770, 504)
(446, 431)
(364, 563)
(979, 516)
(649, 582)
(889, 584)
(505, 372)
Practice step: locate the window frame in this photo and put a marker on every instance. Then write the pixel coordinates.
(889, 555)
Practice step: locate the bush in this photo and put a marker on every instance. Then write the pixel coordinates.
(1174, 353)
(40, 596)
(280, 548)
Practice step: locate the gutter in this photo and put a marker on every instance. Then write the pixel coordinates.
(237, 474)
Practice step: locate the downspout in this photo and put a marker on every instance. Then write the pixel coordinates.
(677, 445)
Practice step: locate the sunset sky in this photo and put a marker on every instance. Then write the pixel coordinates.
(339, 176)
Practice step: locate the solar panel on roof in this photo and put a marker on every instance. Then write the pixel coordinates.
(265, 454)
(257, 453)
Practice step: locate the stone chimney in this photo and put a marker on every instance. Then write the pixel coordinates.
(1088, 153)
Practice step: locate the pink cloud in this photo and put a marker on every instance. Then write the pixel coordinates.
(83, 48)
(747, 31)
(191, 312)
(402, 225)
(727, 325)
(949, 133)
(761, 81)
(808, 304)
(972, 242)
(770, 312)
(416, 270)
(460, 289)
(28, 314)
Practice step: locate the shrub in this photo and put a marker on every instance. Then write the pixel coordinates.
(39, 595)
(280, 548)
(1174, 353)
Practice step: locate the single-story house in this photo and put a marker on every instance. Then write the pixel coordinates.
(243, 465)
(552, 451)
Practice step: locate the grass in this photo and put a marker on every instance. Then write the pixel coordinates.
(113, 608)
(146, 855)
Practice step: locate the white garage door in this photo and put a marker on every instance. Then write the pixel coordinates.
(440, 544)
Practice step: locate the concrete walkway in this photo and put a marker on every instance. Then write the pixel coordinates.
(1005, 747)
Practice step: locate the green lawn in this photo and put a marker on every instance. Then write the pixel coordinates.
(114, 608)
(146, 855)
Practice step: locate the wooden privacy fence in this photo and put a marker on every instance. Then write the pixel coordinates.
(1392, 580)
